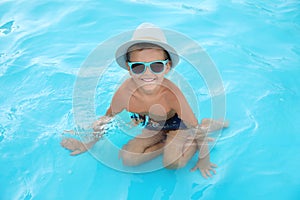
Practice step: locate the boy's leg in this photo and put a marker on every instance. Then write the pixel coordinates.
(179, 148)
(180, 145)
(144, 147)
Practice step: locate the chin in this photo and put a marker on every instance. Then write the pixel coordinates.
(149, 88)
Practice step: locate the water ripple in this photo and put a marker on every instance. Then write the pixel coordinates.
(7, 28)
(192, 8)
(2, 132)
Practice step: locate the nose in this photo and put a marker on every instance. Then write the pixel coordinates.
(148, 71)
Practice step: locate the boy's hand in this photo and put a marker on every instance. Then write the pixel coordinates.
(77, 147)
(205, 167)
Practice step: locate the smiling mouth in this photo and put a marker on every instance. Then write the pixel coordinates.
(148, 79)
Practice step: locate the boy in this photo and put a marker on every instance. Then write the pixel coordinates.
(170, 126)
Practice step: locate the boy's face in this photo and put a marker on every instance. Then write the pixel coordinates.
(148, 81)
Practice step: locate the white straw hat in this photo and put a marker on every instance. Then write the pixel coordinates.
(146, 33)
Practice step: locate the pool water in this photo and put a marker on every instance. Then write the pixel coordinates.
(255, 46)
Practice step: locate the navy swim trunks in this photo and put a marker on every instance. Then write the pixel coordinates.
(173, 123)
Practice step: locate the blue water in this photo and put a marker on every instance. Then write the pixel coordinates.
(255, 46)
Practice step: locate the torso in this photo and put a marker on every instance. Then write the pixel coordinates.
(163, 104)
(156, 105)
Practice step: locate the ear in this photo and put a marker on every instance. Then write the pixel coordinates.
(128, 68)
(168, 67)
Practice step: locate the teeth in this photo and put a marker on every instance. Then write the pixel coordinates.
(148, 79)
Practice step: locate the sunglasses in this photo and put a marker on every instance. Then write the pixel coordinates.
(157, 66)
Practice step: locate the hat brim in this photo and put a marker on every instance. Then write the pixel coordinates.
(121, 52)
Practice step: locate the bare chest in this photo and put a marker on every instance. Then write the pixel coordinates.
(156, 108)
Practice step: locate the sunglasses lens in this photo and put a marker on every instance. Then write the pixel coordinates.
(157, 67)
(138, 68)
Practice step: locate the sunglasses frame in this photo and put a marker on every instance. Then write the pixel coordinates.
(147, 65)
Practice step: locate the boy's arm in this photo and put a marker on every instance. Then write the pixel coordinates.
(76, 146)
(185, 112)
(117, 105)
(206, 126)
(203, 163)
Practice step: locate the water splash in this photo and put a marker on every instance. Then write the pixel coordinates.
(7, 28)
(2, 132)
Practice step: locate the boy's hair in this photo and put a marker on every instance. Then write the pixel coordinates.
(141, 46)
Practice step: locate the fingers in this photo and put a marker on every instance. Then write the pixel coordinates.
(75, 153)
(63, 142)
(75, 146)
(214, 171)
(226, 124)
(71, 144)
(206, 173)
(211, 168)
(67, 143)
(194, 168)
(213, 165)
(203, 173)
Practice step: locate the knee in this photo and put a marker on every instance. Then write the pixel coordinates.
(205, 120)
(129, 158)
(173, 164)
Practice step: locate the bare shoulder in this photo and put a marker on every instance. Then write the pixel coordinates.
(171, 87)
(126, 86)
(121, 94)
(168, 82)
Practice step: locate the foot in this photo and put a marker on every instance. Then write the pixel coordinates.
(211, 125)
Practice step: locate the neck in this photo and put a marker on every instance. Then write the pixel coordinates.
(143, 91)
(146, 92)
